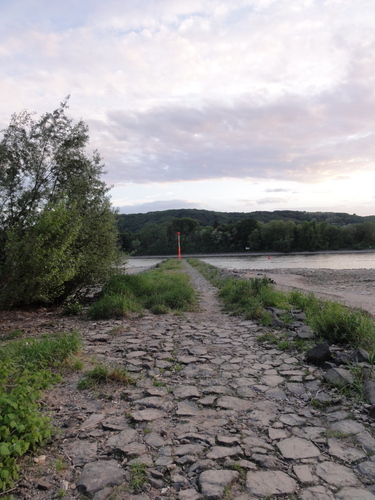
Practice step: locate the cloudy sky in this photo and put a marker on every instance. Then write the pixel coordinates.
(237, 105)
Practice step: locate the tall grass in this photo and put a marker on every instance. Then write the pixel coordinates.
(160, 290)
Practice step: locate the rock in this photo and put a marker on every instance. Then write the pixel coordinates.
(348, 427)
(218, 452)
(44, 485)
(367, 469)
(360, 356)
(317, 493)
(319, 354)
(81, 451)
(147, 415)
(189, 494)
(339, 377)
(369, 391)
(354, 494)
(297, 448)
(303, 474)
(232, 403)
(186, 391)
(344, 452)
(213, 482)
(267, 483)
(98, 475)
(336, 474)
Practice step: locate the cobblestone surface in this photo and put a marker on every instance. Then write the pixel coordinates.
(213, 414)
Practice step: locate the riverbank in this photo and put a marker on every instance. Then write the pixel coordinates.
(351, 287)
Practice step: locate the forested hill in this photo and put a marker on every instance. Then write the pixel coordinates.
(135, 222)
(204, 231)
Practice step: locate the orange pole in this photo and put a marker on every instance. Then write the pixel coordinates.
(179, 245)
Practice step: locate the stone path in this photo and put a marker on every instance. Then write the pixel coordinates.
(214, 414)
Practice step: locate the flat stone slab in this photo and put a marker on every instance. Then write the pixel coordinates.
(232, 403)
(147, 415)
(272, 380)
(336, 474)
(348, 427)
(123, 438)
(264, 483)
(297, 448)
(98, 475)
(213, 482)
(189, 449)
(219, 452)
(344, 452)
(81, 451)
(354, 494)
(187, 409)
(186, 391)
(367, 469)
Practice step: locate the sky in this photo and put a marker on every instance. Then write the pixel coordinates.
(232, 106)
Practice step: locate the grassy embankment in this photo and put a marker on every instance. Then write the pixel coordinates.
(161, 290)
(27, 367)
(331, 321)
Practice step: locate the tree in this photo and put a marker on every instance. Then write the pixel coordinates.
(57, 228)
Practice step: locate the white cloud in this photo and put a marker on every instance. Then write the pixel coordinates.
(258, 89)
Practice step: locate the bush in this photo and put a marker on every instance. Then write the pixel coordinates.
(57, 228)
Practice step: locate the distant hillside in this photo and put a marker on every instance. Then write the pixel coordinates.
(135, 222)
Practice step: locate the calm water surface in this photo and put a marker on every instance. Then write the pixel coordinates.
(310, 261)
(353, 260)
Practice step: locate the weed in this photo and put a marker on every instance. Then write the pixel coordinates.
(268, 337)
(102, 374)
(60, 465)
(158, 383)
(12, 335)
(72, 307)
(284, 345)
(242, 472)
(227, 493)
(138, 476)
(336, 434)
(178, 367)
(319, 405)
(61, 493)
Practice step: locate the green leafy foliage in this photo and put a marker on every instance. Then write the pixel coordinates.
(24, 373)
(57, 228)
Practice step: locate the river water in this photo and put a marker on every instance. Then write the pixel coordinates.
(339, 260)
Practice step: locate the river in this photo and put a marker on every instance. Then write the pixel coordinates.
(334, 260)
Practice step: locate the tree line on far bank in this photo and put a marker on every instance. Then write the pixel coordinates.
(247, 234)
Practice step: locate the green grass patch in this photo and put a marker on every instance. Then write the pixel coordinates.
(102, 374)
(162, 290)
(138, 476)
(27, 367)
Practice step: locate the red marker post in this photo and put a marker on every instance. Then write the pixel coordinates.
(179, 245)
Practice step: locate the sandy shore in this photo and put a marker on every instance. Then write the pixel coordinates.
(352, 287)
